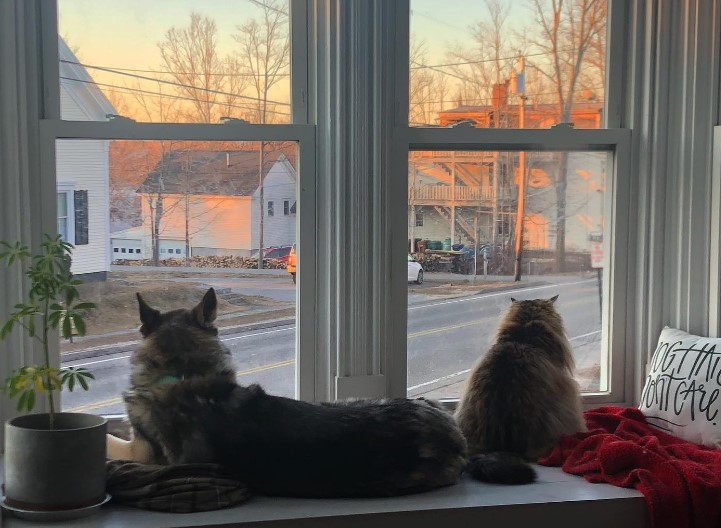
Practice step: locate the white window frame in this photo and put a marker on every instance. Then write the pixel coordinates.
(616, 209)
(314, 371)
(53, 128)
(616, 141)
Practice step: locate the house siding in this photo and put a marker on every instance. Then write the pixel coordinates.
(219, 225)
(84, 164)
(279, 185)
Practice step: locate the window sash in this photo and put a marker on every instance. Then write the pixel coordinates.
(616, 210)
(53, 128)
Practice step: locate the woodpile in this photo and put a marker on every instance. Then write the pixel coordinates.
(213, 261)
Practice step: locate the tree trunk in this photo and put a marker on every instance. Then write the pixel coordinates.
(561, 185)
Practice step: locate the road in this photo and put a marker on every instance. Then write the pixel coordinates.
(445, 338)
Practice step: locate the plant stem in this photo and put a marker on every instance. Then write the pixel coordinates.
(46, 352)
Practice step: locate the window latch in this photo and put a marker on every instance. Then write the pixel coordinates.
(564, 125)
(117, 117)
(233, 120)
(463, 124)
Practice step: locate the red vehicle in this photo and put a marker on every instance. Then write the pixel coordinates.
(279, 253)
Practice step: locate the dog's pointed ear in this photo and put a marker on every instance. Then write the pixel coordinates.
(150, 317)
(513, 300)
(553, 299)
(207, 310)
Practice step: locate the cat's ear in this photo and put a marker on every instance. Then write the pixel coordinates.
(207, 310)
(553, 299)
(149, 317)
(513, 300)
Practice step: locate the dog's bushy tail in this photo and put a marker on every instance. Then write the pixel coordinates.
(500, 468)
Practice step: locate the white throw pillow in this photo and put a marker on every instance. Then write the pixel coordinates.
(682, 393)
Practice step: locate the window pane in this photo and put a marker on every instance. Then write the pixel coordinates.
(184, 216)
(466, 249)
(63, 228)
(168, 62)
(494, 63)
(62, 204)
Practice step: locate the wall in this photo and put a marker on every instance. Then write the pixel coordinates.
(84, 163)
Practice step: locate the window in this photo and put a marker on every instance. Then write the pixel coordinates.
(487, 196)
(122, 250)
(472, 230)
(115, 250)
(195, 177)
(154, 81)
(165, 131)
(466, 67)
(63, 216)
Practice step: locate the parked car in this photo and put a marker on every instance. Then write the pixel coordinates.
(281, 253)
(291, 262)
(415, 271)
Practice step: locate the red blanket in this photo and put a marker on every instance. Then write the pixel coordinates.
(681, 481)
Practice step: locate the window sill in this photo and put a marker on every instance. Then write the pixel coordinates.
(557, 499)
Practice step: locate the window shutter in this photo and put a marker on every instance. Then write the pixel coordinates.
(81, 218)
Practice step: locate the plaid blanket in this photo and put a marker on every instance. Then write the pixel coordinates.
(182, 488)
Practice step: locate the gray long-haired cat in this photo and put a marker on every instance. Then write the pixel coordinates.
(520, 398)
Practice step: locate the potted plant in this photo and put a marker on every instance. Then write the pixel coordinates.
(54, 461)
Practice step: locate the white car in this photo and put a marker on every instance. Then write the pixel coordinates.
(415, 271)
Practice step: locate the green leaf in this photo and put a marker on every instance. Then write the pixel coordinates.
(79, 324)
(31, 400)
(23, 401)
(71, 382)
(6, 328)
(83, 383)
(67, 329)
(84, 306)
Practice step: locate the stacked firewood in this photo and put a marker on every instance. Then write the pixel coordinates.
(212, 261)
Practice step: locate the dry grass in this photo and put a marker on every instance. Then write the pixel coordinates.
(117, 305)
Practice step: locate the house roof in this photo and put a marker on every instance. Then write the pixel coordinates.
(81, 87)
(227, 173)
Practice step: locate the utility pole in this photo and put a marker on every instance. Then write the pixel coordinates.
(518, 85)
(261, 162)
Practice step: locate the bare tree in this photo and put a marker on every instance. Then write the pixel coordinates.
(265, 48)
(190, 55)
(567, 30)
(428, 87)
(488, 60)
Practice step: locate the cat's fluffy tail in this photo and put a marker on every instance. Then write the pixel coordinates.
(500, 468)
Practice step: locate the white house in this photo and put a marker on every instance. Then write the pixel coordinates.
(211, 199)
(83, 172)
(279, 206)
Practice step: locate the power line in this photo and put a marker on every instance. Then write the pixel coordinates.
(481, 61)
(113, 68)
(172, 83)
(132, 91)
(266, 6)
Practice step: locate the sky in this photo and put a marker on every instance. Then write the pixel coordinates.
(125, 34)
